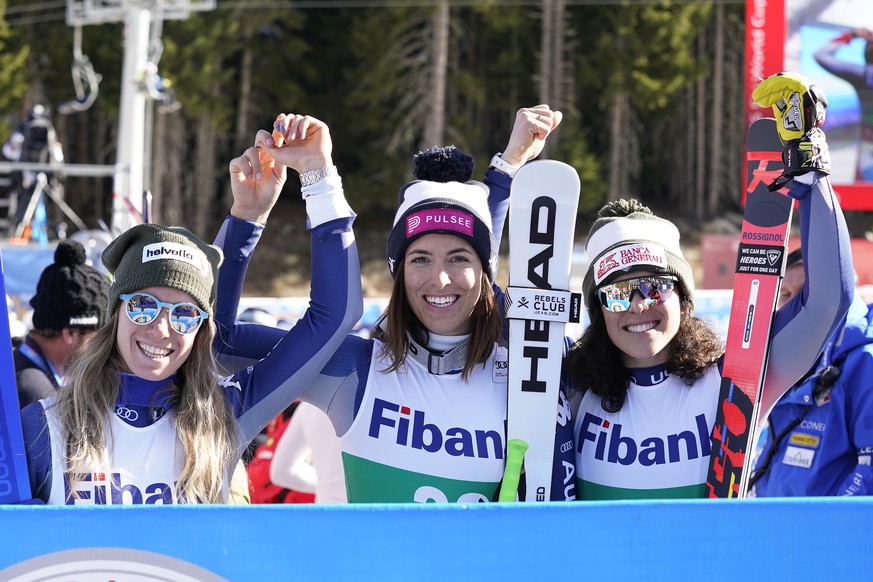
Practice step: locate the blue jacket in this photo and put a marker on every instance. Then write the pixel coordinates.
(828, 435)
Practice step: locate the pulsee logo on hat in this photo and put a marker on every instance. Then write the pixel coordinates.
(439, 219)
(176, 251)
(627, 256)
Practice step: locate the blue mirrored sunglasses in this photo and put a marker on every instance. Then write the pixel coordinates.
(142, 309)
(654, 290)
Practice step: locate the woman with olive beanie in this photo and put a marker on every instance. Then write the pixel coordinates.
(144, 418)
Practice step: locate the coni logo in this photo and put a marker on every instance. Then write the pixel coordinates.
(103, 564)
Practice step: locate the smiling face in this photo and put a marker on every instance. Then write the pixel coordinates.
(443, 282)
(643, 332)
(154, 351)
(792, 283)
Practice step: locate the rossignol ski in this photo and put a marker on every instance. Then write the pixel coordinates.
(759, 270)
(542, 220)
(14, 480)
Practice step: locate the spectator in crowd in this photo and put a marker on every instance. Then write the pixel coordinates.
(35, 142)
(819, 437)
(69, 305)
(308, 457)
(860, 76)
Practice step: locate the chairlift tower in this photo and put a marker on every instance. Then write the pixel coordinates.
(141, 19)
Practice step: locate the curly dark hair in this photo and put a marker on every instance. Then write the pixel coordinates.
(596, 364)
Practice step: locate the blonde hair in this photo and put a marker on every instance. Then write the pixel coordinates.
(204, 423)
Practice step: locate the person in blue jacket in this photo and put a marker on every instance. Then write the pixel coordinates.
(145, 417)
(420, 408)
(819, 437)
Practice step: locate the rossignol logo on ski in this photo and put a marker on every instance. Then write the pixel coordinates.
(410, 429)
(764, 236)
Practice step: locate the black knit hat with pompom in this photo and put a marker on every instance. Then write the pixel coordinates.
(443, 200)
(70, 293)
(446, 164)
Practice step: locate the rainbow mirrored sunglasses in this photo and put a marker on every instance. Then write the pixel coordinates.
(654, 290)
(142, 309)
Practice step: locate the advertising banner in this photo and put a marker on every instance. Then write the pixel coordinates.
(830, 42)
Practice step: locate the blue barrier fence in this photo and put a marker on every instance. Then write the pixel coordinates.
(754, 539)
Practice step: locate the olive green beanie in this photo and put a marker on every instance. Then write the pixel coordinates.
(151, 255)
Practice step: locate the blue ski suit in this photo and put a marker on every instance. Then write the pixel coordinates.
(819, 439)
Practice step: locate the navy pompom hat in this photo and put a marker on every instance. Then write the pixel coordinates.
(443, 200)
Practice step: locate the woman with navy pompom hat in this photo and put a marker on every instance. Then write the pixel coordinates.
(420, 408)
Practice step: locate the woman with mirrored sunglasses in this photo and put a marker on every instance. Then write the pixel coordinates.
(145, 418)
(646, 372)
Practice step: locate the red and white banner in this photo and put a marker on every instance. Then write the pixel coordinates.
(765, 49)
(824, 40)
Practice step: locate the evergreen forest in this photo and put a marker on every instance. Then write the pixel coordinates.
(651, 91)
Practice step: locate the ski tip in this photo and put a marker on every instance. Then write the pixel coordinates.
(548, 172)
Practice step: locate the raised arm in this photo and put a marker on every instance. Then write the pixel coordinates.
(805, 323)
(826, 56)
(256, 181)
(526, 141)
(302, 143)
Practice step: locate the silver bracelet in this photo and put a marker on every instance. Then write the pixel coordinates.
(501, 165)
(311, 177)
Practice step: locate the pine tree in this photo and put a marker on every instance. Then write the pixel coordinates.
(12, 72)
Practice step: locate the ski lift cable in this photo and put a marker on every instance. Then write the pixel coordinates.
(34, 7)
(22, 16)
